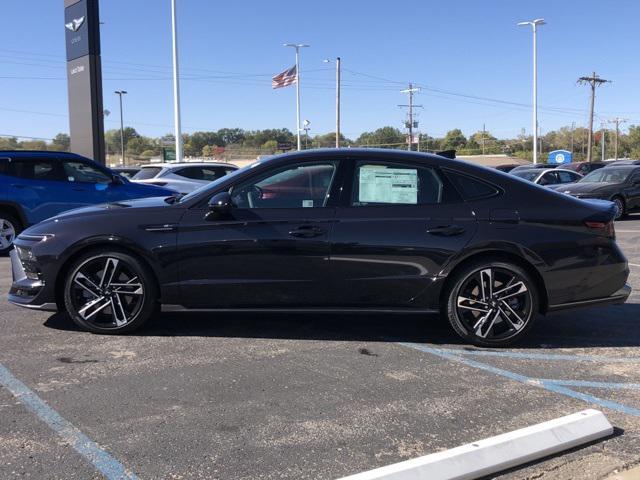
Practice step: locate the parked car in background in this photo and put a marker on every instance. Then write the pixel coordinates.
(548, 176)
(617, 183)
(529, 166)
(36, 185)
(622, 161)
(332, 230)
(583, 168)
(184, 177)
(127, 172)
(507, 167)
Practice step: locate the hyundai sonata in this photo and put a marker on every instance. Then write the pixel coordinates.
(331, 231)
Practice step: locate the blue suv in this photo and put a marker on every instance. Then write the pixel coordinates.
(36, 185)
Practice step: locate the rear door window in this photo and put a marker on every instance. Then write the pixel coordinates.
(146, 173)
(36, 169)
(382, 183)
(85, 173)
(207, 174)
(471, 188)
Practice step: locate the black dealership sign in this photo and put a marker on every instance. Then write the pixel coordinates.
(84, 78)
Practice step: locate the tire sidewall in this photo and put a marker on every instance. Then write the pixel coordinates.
(149, 300)
(621, 212)
(452, 310)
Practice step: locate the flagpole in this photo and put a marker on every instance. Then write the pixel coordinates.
(298, 129)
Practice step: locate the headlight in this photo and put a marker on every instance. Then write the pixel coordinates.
(28, 261)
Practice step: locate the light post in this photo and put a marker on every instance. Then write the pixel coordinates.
(534, 26)
(176, 82)
(297, 46)
(120, 93)
(337, 100)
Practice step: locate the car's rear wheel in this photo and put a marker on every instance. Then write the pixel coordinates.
(10, 227)
(621, 209)
(492, 304)
(109, 292)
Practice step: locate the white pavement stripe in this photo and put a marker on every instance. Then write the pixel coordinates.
(498, 453)
(634, 265)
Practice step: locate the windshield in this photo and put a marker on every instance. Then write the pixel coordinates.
(146, 173)
(215, 183)
(608, 175)
(527, 174)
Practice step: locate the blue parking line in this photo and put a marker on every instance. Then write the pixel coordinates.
(455, 357)
(589, 384)
(542, 356)
(101, 460)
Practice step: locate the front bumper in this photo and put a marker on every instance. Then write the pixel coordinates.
(615, 298)
(24, 291)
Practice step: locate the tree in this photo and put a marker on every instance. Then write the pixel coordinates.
(9, 143)
(385, 136)
(454, 139)
(137, 145)
(231, 135)
(61, 142)
(209, 150)
(270, 145)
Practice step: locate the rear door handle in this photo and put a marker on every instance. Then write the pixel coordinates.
(307, 231)
(446, 230)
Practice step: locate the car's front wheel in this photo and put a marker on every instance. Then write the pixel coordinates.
(492, 304)
(10, 227)
(109, 292)
(621, 210)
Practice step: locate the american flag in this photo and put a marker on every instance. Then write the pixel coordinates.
(284, 79)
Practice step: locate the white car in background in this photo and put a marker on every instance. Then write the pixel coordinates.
(548, 176)
(183, 177)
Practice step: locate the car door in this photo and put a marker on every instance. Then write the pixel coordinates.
(398, 223)
(271, 251)
(567, 177)
(37, 185)
(632, 191)
(548, 178)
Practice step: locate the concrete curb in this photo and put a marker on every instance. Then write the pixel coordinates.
(498, 453)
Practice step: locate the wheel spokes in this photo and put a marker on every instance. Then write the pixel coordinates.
(119, 315)
(511, 291)
(85, 283)
(472, 304)
(110, 267)
(94, 306)
(486, 284)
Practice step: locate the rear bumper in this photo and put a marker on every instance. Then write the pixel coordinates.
(26, 292)
(615, 298)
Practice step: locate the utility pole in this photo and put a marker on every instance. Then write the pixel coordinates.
(593, 81)
(338, 67)
(617, 121)
(120, 93)
(483, 133)
(410, 91)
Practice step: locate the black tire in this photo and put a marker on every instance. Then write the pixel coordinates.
(10, 228)
(125, 285)
(621, 207)
(507, 319)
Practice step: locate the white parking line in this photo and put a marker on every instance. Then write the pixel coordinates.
(634, 265)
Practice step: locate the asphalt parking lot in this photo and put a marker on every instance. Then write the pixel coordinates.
(238, 396)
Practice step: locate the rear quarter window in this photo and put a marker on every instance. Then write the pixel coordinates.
(472, 188)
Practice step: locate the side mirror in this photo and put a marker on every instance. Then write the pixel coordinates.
(117, 180)
(220, 206)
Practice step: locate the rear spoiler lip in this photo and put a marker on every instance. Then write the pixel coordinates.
(606, 210)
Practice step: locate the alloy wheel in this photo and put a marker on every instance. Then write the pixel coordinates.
(7, 233)
(106, 292)
(494, 303)
(619, 208)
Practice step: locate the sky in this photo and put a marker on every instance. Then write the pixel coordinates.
(473, 63)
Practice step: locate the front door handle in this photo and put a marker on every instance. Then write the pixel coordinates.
(307, 231)
(446, 230)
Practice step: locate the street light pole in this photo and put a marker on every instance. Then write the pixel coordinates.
(337, 100)
(534, 25)
(176, 83)
(297, 46)
(120, 93)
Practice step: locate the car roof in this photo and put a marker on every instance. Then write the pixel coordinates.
(188, 164)
(40, 153)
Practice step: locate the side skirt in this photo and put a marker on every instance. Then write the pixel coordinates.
(181, 308)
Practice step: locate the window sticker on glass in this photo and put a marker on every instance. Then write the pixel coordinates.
(379, 184)
(307, 203)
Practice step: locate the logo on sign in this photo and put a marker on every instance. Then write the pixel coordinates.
(75, 24)
(560, 158)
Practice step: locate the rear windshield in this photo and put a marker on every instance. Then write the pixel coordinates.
(608, 175)
(527, 174)
(146, 173)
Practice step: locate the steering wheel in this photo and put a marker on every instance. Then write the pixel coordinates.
(253, 192)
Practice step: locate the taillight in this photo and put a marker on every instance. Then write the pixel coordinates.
(604, 228)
